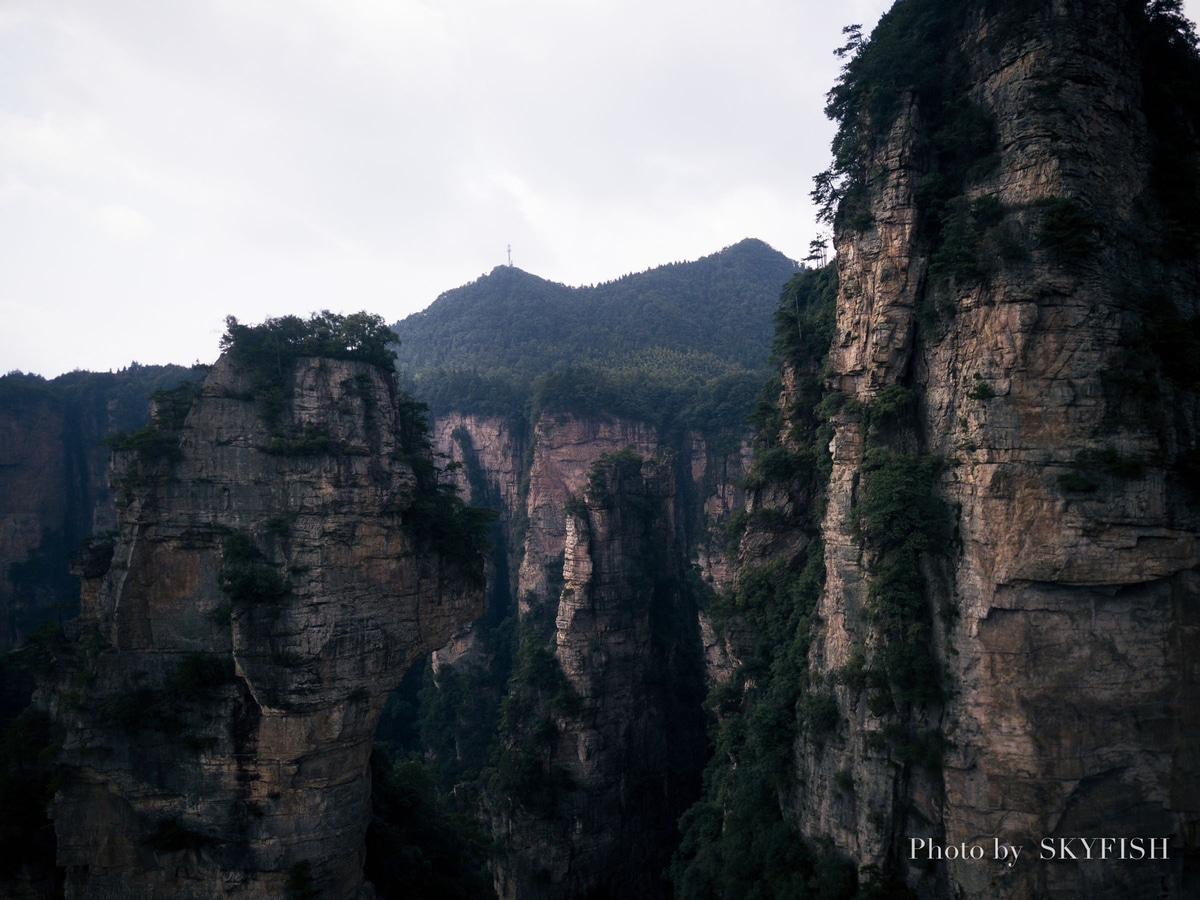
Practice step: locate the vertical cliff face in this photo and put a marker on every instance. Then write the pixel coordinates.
(564, 448)
(53, 482)
(491, 453)
(274, 573)
(1027, 374)
(611, 723)
(34, 466)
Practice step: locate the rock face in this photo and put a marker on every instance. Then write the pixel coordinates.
(268, 586)
(36, 502)
(623, 738)
(532, 491)
(53, 481)
(564, 449)
(1071, 592)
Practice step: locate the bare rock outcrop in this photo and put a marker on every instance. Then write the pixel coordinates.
(490, 452)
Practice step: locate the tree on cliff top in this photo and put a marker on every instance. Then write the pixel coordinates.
(360, 336)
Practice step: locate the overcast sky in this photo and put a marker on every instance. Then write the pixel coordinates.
(165, 164)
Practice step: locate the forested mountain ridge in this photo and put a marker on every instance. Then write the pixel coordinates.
(492, 344)
(608, 428)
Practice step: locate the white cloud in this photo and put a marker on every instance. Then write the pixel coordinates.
(124, 224)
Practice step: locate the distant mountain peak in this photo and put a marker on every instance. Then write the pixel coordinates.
(517, 326)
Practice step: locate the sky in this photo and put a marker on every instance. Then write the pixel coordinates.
(164, 165)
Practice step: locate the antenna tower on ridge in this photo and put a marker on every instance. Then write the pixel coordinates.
(510, 256)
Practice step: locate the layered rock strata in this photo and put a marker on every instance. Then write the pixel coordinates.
(565, 447)
(269, 584)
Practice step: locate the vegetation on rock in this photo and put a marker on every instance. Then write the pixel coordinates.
(275, 343)
(438, 517)
(159, 440)
(913, 54)
(902, 523)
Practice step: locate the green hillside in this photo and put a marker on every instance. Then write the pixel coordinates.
(680, 337)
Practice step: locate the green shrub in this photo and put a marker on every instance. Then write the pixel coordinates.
(245, 577)
(575, 506)
(898, 509)
(299, 884)
(1067, 232)
(159, 441)
(892, 407)
(315, 440)
(958, 256)
(900, 519)
(819, 713)
(777, 465)
(620, 466)
(1092, 467)
(981, 390)
(267, 347)
(440, 520)
(536, 669)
